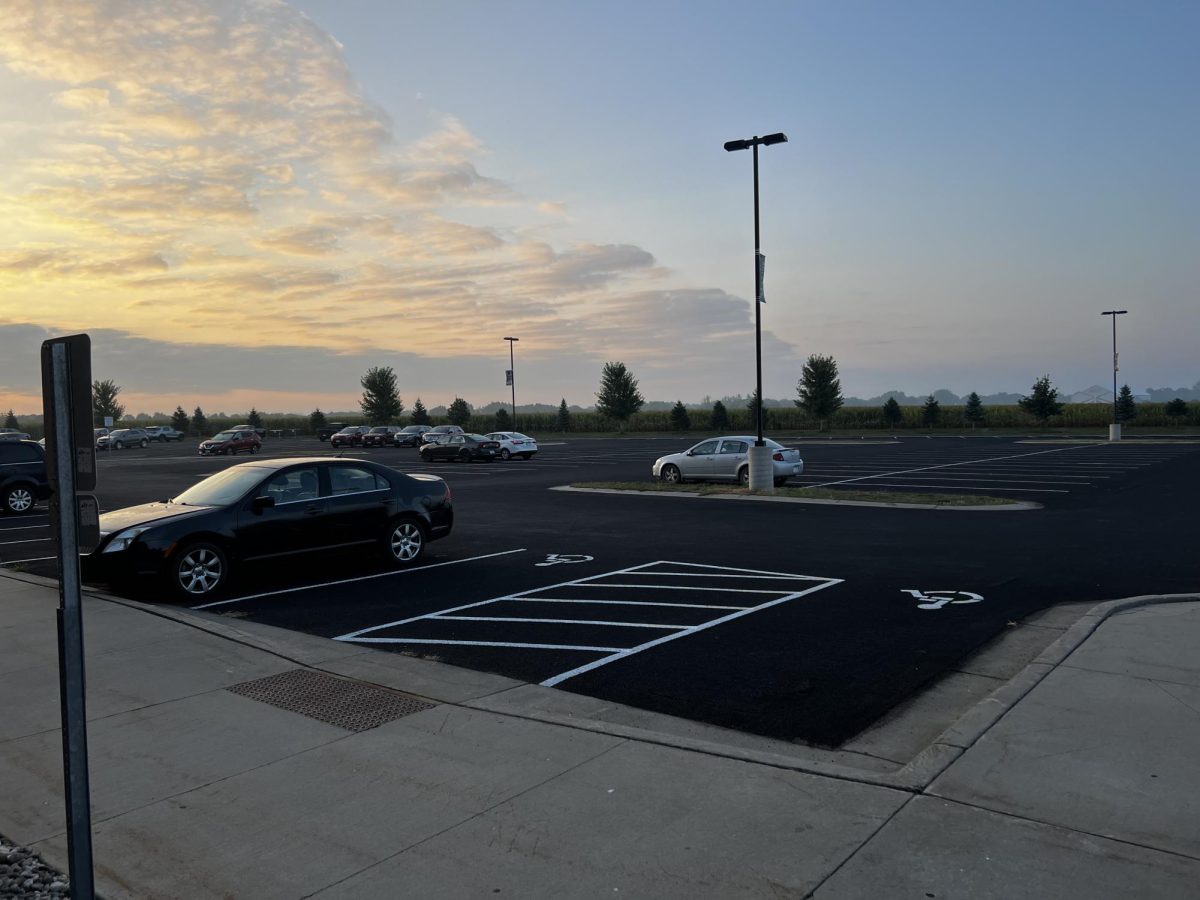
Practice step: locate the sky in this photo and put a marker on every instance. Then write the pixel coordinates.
(250, 202)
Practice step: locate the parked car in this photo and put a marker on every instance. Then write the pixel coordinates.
(410, 435)
(381, 436)
(98, 433)
(725, 459)
(350, 436)
(122, 438)
(461, 447)
(163, 433)
(229, 442)
(439, 433)
(269, 509)
(11, 434)
(325, 432)
(513, 443)
(22, 476)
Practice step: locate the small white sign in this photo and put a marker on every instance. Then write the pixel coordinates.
(108, 421)
(553, 559)
(938, 599)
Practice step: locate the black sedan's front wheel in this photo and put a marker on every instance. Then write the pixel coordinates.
(199, 570)
(405, 542)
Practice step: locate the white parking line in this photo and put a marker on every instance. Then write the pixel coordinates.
(946, 466)
(558, 621)
(13, 562)
(29, 541)
(24, 527)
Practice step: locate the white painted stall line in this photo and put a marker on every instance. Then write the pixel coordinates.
(13, 562)
(484, 644)
(29, 541)
(948, 465)
(24, 527)
(626, 603)
(686, 587)
(552, 621)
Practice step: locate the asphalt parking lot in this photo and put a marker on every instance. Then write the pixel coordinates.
(790, 620)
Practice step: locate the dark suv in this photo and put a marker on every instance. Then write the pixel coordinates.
(22, 476)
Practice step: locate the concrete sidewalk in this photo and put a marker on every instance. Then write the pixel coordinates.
(1079, 777)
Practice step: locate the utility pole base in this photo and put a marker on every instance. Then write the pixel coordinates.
(1114, 434)
(762, 470)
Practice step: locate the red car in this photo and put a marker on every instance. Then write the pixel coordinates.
(350, 436)
(230, 442)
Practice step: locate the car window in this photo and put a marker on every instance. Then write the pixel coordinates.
(733, 447)
(20, 453)
(221, 489)
(352, 480)
(294, 485)
(456, 439)
(704, 449)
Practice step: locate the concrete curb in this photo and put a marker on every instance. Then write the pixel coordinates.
(1006, 507)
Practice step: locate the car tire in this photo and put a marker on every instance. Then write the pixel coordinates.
(198, 570)
(19, 499)
(744, 476)
(526, 456)
(404, 542)
(464, 456)
(780, 482)
(505, 454)
(671, 475)
(118, 445)
(145, 443)
(425, 457)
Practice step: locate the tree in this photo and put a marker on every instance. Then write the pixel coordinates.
(502, 419)
(11, 420)
(1176, 408)
(179, 420)
(720, 417)
(892, 413)
(459, 412)
(253, 419)
(316, 420)
(752, 405)
(619, 397)
(819, 388)
(1126, 408)
(563, 423)
(679, 417)
(931, 412)
(199, 422)
(380, 402)
(973, 412)
(104, 401)
(1042, 403)
(420, 416)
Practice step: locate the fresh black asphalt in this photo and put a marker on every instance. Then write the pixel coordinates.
(795, 621)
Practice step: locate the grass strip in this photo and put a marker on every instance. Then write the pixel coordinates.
(801, 493)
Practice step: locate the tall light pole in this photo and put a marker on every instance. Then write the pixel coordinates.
(1114, 433)
(761, 471)
(512, 379)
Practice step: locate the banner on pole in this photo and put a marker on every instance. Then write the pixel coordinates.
(761, 263)
(508, 378)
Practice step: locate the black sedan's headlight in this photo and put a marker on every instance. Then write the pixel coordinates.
(125, 538)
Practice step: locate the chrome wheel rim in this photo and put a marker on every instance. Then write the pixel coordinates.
(20, 500)
(504, 454)
(671, 475)
(199, 571)
(406, 541)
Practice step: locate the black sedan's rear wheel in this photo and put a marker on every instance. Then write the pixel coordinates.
(464, 455)
(199, 570)
(405, 542)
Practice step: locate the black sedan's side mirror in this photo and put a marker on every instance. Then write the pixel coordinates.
(261, 503)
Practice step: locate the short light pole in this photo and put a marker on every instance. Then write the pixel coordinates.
(1114, 431)
(761, 470)
(512, 379)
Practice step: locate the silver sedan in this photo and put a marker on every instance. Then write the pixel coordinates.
(725, 459)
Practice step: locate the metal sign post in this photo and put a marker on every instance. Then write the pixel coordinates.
(70, 465)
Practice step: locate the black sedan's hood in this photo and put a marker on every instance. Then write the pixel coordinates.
(146, 514)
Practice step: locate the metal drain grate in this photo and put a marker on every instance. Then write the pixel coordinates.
(338, 701)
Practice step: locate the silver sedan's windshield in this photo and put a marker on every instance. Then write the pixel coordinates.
(222, 489)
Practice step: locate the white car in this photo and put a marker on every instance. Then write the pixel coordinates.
(513, 443)
(725, 459)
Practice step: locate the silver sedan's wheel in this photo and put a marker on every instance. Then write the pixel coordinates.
(672, 475)
(18, 499)
(199, 570)
(405, 542)
(744, 476)
(504, 454)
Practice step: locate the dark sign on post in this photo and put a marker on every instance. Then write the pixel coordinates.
(79, 364)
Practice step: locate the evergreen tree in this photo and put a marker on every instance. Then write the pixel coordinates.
(752, 405)
(1126, 408)
(199, 422)
(679, 417)
(619, 397)
(819, 388)
(502, 420)
(180, 420)
(420, 416)
(931, 412)
(973, 412)
(892, 413)
(104, 402)
(720, 417)
(563, 422)
(459, 412)
(381, 403)
(316, 420)
(10, 421)
(253, 419)
(1176, 408)
(1042, 403)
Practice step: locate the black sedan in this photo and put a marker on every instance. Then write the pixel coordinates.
(463, 448)
(267, 510)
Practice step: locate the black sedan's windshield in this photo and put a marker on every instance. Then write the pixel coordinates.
(223, 489)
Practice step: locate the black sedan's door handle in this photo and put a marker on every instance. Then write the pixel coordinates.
(311, 510)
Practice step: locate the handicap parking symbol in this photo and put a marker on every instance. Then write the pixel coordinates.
(554, 559)
(938, 599)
